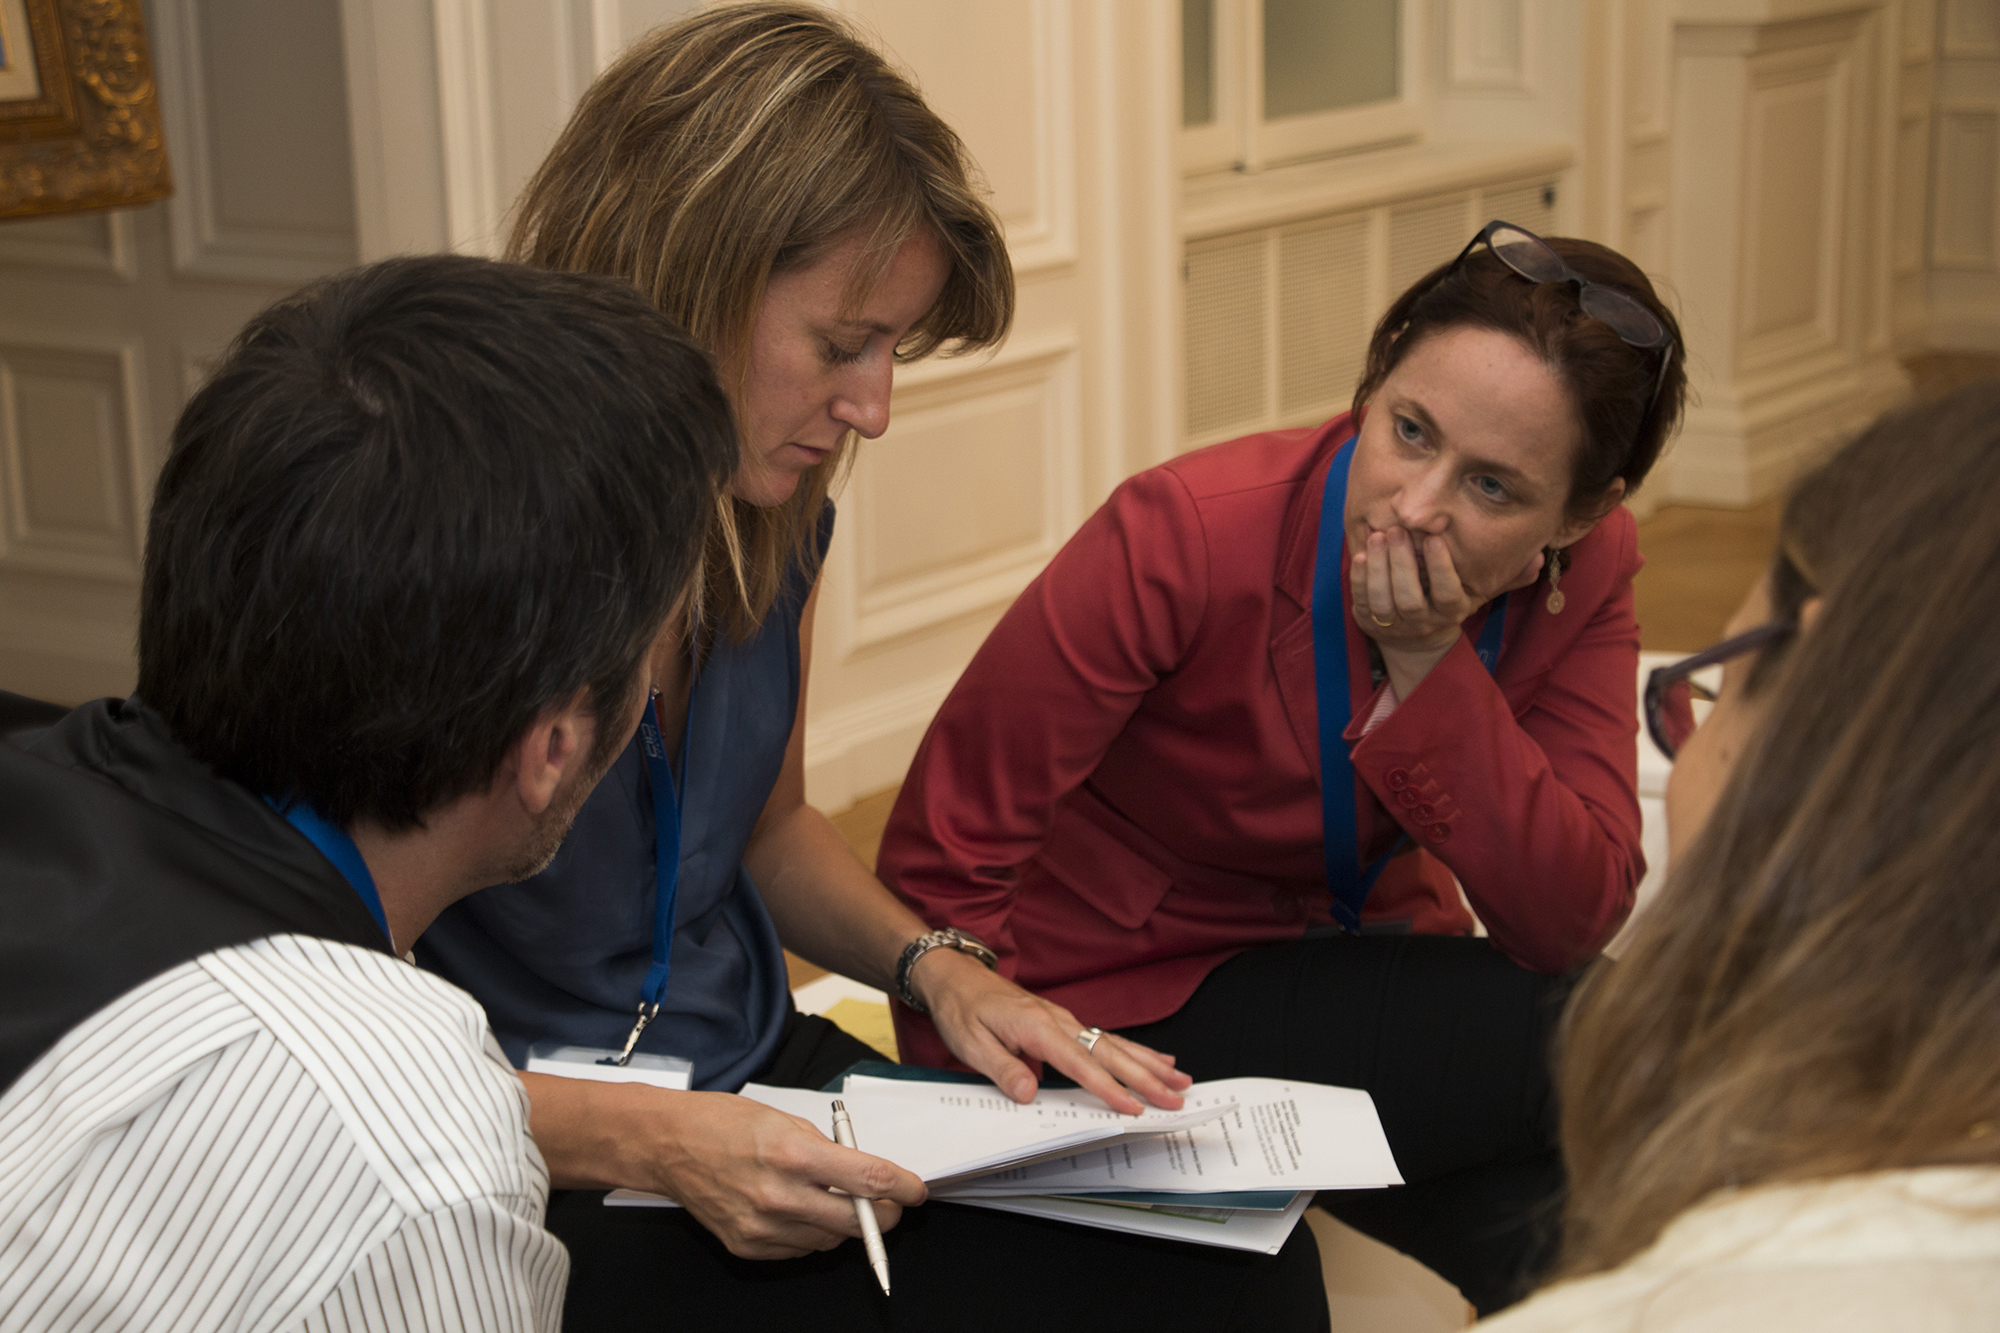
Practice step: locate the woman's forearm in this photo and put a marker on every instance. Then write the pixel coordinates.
(828, 907)
(1408, 669)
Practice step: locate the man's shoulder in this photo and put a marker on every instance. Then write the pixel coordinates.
(406, 1059)
(259, 1119)
(122, 857)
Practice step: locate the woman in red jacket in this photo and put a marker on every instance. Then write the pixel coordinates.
(1127, 796)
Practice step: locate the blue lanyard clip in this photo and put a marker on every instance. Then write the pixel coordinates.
(647, 1013)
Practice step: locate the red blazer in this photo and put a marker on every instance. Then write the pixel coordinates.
(1122, 790)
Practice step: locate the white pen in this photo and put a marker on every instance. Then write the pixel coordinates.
(864, 1211)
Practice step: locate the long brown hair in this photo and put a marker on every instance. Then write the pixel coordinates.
(746, 141)
(1610, 382)
(1816, 991)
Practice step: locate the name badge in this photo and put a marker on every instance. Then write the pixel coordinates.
(599, 1065)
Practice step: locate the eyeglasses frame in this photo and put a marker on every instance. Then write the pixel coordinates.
(1663, 678)
(1583, 284)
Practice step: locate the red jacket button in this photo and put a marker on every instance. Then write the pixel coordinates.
(1407, 799)
(1438, 832)
(1397, 778)
(1427, 811)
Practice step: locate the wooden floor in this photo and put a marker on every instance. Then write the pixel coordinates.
(1699, 565)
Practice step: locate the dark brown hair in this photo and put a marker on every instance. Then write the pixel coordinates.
(1816, 991)
(1609, 380)
(418, 504)
(745, 141)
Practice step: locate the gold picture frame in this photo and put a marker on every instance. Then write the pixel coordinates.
(79, 115)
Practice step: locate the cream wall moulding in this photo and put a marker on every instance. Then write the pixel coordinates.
(1218, 206)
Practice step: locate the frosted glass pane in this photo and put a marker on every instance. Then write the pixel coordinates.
(1321, 55)
(1197, 62)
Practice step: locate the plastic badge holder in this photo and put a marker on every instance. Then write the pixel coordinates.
(590, 1062)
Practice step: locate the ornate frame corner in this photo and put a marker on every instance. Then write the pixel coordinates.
(92, 137)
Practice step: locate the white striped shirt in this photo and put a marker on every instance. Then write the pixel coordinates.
(287, 1134)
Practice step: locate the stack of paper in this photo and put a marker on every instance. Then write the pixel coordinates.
(1237, 1166)
(1240, 1173)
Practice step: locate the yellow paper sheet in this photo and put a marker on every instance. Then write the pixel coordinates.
(869, 1022)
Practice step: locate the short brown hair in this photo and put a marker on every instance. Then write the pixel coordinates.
(1609, 380)
(1816, 991)
(745, 141)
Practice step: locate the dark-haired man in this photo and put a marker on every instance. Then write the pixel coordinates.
(406, 565)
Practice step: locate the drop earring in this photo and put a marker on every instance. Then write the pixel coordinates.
(1556, 598)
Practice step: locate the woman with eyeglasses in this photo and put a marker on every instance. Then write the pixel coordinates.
(1209, 783)
(1780, 1107)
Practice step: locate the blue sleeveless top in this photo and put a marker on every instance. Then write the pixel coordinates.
(561, 956)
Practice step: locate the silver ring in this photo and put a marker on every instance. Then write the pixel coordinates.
(1089, 1037)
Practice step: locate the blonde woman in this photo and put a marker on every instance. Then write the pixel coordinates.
(766, 179)
(1779, 1107)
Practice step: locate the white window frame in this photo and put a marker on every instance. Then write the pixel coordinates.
(1241, 140)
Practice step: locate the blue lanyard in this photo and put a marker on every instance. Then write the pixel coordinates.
(1348, 881)
(666, 860)
(337, 847)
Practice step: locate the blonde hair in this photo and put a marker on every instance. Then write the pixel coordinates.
(742, 142)
(1816, 993)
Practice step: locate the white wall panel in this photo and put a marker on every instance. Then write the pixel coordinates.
(71, 489)
(1919, 29)
(111, 319)
(455, 103)
(257, 123)
(1971, 29)
(1954, 303)
(1781, 138)
(1912, 175)
(87, 243)
(1648, 56)
(1487, 45)
(968, 495)
(603, 28)
(475, 197)
(1279, 315)
(1968, 175)
(1797, 145)
(1069, 109)
(999, 72)
(1505, 69)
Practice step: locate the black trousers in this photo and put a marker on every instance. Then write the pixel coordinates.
(1452, 1040)
(953, 1267)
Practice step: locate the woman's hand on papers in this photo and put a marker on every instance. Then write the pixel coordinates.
(758, 1178)
(996, 1027)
